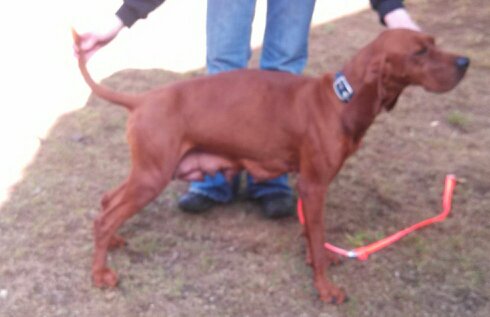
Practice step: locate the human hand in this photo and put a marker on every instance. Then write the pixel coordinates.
(91, 42)
(400, 18)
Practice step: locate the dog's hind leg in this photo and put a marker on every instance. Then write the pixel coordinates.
(116, 240)
(142, 186)
(109, 195)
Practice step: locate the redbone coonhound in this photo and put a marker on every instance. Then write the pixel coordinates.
(267, 123)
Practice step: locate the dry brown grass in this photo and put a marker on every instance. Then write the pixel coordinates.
(231, 262)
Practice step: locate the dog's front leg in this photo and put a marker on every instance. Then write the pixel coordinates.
(313, 193)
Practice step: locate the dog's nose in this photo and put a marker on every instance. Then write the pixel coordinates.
(462, 62)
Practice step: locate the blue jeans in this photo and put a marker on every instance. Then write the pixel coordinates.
(285, 48)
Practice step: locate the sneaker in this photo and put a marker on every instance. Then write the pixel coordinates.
(195, 203)
(275, 206)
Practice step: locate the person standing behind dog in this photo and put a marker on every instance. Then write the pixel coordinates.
(228, 31)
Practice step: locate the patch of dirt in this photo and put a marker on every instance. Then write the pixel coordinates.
(231, 261)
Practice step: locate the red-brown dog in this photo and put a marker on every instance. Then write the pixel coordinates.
(267, 123)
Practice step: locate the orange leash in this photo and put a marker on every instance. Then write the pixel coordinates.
(362, 253)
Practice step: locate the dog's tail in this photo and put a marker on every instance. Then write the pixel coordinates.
(126, 100)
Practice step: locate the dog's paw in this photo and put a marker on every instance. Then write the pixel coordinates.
(105, 278)
(331, 294)
(334, 297)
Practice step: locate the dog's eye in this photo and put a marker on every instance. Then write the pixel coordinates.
(421, 51)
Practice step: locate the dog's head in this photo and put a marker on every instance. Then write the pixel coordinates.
(400, 57)
(417, 60)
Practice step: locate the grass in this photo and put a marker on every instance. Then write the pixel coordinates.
(361, 238)
(232, 262)
(458, 120)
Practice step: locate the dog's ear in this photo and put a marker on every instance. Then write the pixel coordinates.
(381, 73)
(389, 105)
(375, 75)
(375, 68)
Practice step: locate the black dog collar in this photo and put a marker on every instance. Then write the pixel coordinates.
(342, 88)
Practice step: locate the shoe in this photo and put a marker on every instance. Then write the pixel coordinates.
(275, 206)
(195, 203)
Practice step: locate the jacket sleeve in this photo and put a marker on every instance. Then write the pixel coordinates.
(384, 7)
(133, 10)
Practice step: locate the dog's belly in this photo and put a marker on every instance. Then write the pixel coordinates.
(196, 164)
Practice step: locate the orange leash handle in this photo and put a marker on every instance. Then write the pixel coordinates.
(362, 253)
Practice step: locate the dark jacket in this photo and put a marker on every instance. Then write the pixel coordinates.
(133, 10)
